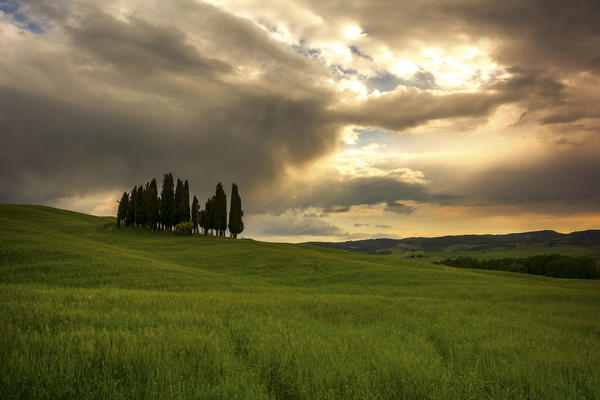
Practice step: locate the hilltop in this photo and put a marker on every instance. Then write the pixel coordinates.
(92, 311)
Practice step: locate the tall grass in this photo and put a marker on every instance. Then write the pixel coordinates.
(89, 311)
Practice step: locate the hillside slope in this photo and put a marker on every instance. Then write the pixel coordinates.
(92, 311)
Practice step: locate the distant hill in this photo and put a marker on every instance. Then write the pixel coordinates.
(468, 242)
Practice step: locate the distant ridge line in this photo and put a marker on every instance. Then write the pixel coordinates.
(590, 237)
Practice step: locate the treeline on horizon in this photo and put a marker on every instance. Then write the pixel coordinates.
(144, 208)
(554, 265)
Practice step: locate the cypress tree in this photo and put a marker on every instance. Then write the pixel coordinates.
(179, 202)
(123, 207)
(145, 213)
(167, 203)
(220, 210)
(140, 215)
(152, 204)
(186, 201)
(202, 221)
(214, 216)
(172, 206)
(130, 221)
(209, 216)
(159, 218)
(236, 224)
(195, 211)
(205, 217)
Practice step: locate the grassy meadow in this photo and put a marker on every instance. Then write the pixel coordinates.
(519, 252)
(92, 311)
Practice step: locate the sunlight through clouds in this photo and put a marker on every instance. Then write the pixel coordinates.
(353, 32)
(392, 109)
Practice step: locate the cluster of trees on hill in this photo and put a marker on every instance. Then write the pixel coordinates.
(144, 208)
(555, 265)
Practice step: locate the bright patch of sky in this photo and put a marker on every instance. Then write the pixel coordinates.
(360, 64)
(12, 11)
(372, 152)
(416, 155)
(352, 32)
(457, 69)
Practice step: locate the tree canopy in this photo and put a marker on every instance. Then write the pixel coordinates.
(195, 214)
(122, 210)
(236, 224)
(167, 203)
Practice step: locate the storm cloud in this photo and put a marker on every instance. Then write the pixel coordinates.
(107, 95)
(138, 113)
(290, 225)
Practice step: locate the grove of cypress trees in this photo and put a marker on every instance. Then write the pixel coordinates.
(195, 211)
(167, 203)
(236, 224)
(143, 208)
(123, 207)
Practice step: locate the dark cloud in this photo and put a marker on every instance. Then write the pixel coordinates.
(562, 183)
(141, 46)
(539, 93)
(384, 82)
(411, 107)
(381, 226)
(134, 99)
(291, 225)
(355, 50)
(532, 82)
(547, 34)
(423, 80)
(562, 118)
(399, 208)
(53, 147)
(340, 196)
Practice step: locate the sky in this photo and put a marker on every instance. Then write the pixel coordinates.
(338, 120)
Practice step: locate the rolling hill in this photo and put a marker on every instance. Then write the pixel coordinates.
(547, 238)
(92, 311)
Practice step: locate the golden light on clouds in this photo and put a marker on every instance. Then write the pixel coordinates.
(353, 32)
(340, 119)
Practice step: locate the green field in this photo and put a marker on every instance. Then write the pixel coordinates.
(91, 311)
(519, 251)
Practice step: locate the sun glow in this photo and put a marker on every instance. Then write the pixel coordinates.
(404, 68)
(352, 32)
